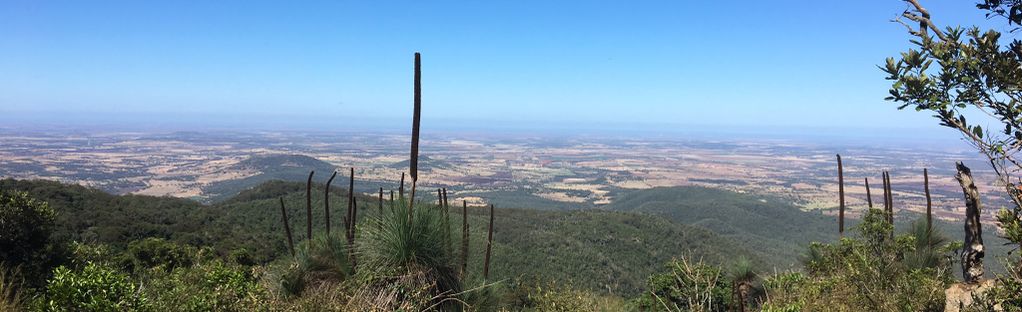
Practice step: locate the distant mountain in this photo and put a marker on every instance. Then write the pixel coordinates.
(269, 167)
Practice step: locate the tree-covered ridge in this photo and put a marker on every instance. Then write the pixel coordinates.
(603, 251)
(774, 230)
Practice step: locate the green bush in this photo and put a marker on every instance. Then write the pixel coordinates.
(159, 253)
(410, 261)
(10, 290)
(873, 272)
(93, 288)
(687, 286)
(209, 286)
(27, 226)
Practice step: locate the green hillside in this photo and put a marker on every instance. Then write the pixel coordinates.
(772, 229)
(603, 251)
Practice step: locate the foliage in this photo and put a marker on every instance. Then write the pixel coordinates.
(26, 225)
(688, 286)
(772, 229)
(10, 294)
(956, 72)
(408, 256)
(93, 288)
(869, 272)
(323, 259)
(208, 286)
(560, 297)
(159, 253)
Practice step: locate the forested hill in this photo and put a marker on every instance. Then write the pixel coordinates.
(604, 251)
(773, 229)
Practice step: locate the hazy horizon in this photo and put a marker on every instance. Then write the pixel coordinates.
(573, 65)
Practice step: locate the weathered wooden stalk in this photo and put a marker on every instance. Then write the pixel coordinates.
(464, 237)
(287, 228)
(869, 197)
(308, 206)
(841, 196)
(973, 251)
(929, 204)
(890, 198)
(349, 222)
(489, 247)
(326, 202)
(417, 98)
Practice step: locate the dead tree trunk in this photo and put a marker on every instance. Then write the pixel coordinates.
(287, 228)
(841, 197)
(326, 202)
(869, 197)
(464, 237)
(308, 206)
(973, 251)
(489, 247)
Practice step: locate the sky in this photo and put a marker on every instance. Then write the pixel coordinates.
(567, 64)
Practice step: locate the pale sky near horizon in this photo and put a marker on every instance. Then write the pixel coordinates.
(754, 63)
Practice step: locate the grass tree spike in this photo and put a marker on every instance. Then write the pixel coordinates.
(400, 189)
(391, 197)
(350, 220)
(890, 199)
(354, 222)
(489, 247)
(869, 197)
(381, 200)
(351, 236)
(308, 206)
(439, 199)
(414, 158)
(287, 228)
(841, 196)
(411, 202)
(929, 207)
(445, 200)
(464, 236)
(326, 202)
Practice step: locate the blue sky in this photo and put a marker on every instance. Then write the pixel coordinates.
(660, 63)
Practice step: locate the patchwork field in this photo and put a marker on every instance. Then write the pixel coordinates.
(559, 172)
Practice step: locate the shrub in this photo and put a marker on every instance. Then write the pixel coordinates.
(27, 225)
(209, 286)
(409, 262)
(10, 293)
(687, 286)
(872, 272)
(322, 259)
(94, 288)
(159, 253)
